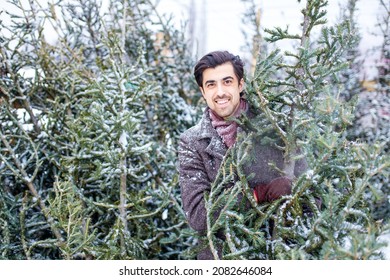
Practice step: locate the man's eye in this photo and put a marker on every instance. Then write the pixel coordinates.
(210, 85)
(228, 82)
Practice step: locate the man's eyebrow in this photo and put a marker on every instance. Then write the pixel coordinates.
(227, 78)
(223, 79)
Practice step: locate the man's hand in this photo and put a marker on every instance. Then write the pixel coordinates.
(273, 190)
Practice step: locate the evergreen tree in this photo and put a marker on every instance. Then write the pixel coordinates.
(373, 113)
(254, 43)
(88, 141)
(298, 111)
(349, 79)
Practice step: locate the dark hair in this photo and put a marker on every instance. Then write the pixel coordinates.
(214, 59)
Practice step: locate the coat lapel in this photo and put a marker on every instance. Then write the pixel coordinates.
(216, 148)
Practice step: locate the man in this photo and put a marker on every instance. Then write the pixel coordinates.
(220, 77)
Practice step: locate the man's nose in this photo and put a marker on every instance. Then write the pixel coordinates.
(220, 89)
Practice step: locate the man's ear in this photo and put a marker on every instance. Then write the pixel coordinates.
(241, 84)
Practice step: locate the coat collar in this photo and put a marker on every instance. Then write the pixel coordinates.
(216, 147)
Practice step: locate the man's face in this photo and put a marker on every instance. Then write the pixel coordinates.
(221, 89)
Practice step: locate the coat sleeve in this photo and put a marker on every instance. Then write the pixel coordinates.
(193, 182)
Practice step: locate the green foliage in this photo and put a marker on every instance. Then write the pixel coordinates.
(372, 115)
(89, 126)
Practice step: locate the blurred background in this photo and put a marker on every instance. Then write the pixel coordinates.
(216, 25)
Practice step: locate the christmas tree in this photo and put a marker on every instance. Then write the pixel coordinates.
(91, 111)
(373, 110)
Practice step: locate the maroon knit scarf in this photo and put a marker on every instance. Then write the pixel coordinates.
(228, 129)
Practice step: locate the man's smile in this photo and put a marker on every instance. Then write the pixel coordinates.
(222, 101)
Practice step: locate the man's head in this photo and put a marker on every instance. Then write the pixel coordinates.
(214, 59)
(220, 78)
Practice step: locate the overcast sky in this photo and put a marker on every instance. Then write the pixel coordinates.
(223, 18)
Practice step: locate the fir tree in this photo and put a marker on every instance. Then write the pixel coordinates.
(254, 43)
(373, 113)
(87, 164)
(349, 79)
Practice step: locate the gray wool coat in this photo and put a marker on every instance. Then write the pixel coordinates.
(201, 152)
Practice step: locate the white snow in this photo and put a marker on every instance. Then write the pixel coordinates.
(123, 140)
(165, 214)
